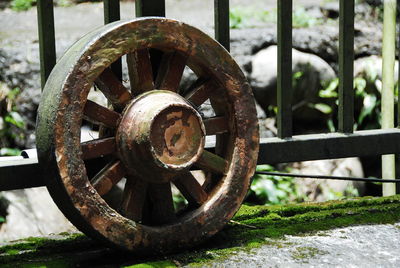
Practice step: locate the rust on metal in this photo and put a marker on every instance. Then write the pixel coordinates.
(98, 114)
(140, 71)
(110, 175)
(170, 71)
(98, 148)
(113, 89)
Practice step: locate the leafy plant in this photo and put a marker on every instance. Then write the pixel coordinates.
(367, 100)
(267, 189)
(241, 17)
(11, 122)
(303, 19)
(22, 5)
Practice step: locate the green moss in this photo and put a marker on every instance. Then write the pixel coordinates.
(158, 264)
(253, 226)
(274, 222)
(40, 246)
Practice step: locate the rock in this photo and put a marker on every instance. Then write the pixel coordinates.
(32, 212)
(313, 72)
(321, 40)
(370, 68)
(322, 190)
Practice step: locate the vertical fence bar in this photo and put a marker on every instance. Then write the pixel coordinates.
(111, 11)
(111, 14)
(47, 42)
(346, 62)
(284, 88)
(221, 22)
(150, 8)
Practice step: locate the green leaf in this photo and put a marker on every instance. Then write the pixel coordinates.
(322, 107)
(331, 90)
(264, 167)
(15, 119)
(360, 84)
(369, 104)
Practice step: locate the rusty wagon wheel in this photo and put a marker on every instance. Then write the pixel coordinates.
(152, 135)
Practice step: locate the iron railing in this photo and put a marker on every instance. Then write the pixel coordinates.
(282, 149)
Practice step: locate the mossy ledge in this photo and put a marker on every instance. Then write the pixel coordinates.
(249, 229)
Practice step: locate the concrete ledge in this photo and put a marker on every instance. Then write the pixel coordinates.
(252, 227)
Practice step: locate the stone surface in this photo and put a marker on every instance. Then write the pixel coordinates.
(32, 212)
(357, 246)
(312, 72)
(322, 190)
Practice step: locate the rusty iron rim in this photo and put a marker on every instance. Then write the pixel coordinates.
(147, 220)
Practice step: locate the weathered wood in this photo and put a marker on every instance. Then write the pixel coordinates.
(200, 91)
(170, 71)
(190, 188)
(98, 148)
(212, 162)
(140, 71)
(112, 88)
(101, 115)
(163, 210)
(216, 125)
(108, 177)
(134, 198)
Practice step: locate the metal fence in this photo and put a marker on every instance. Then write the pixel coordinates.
(285, 147)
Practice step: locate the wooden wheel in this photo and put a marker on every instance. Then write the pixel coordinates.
(153, 135)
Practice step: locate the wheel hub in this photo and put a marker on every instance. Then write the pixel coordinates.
(159, 135)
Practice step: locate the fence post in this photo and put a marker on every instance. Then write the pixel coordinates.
(111, 14)
(388, 60)
(221, 22)
(47, 43)
(284, 94)
(346, 66)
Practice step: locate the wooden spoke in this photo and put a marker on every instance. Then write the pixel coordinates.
(212, 162)
(190, 188)
(170, 71)
(108, 177)
(140, 71)
(200, 91)
(113, 89)
(162, 205)
(134, 198)
(98, 148)
(216, 125)
(101, 115)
